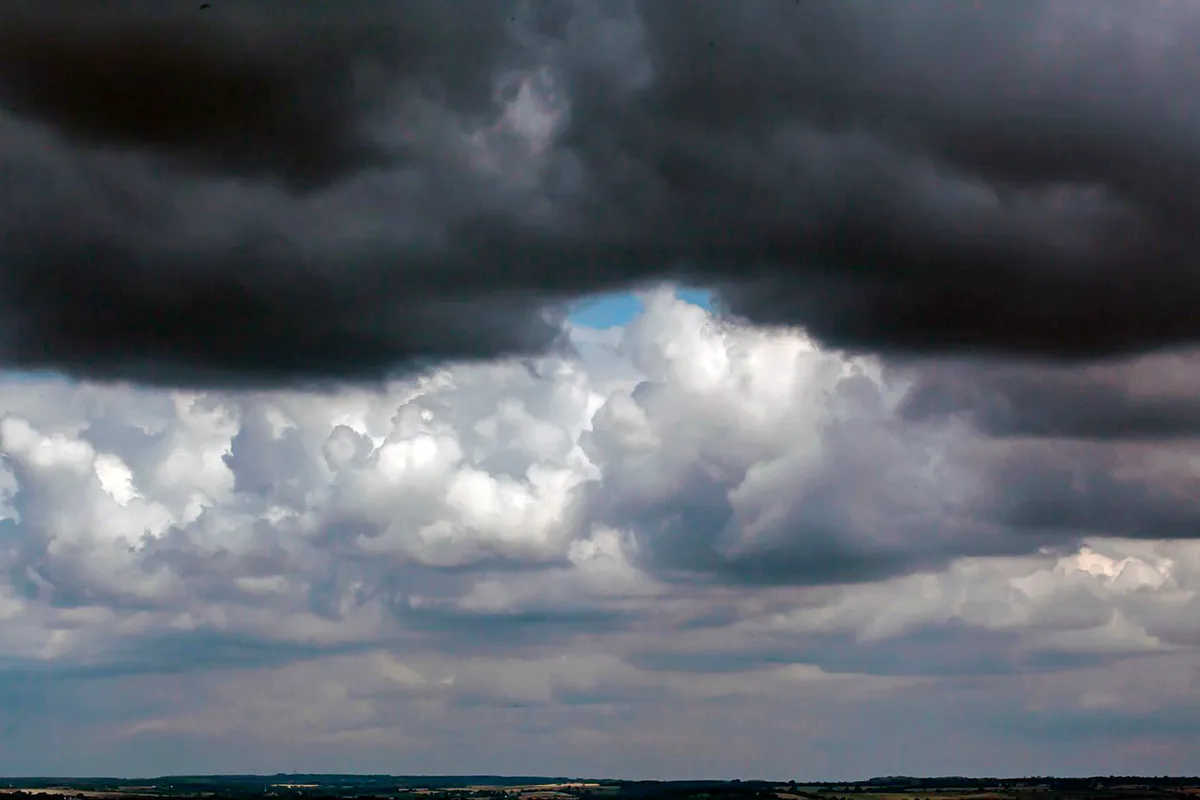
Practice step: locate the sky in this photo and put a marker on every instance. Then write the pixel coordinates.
(663, 389)
(617, 309)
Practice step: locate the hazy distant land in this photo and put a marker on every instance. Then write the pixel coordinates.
(527, 787)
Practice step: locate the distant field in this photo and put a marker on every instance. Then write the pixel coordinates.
(1016, 793)
(933, 794)
(489, 787)
(539, 791)
(61, 791)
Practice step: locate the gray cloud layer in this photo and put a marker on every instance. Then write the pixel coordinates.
(276, 194)
(1151, 398)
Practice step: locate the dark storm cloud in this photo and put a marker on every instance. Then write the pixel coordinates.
(1085, 489)
(273, 89)
(1148, 398)
(172, 202)
(274, 194)
(125, 275)
(938, 176)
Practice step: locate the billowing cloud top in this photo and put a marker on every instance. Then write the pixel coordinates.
(277, 193)
(601, 563)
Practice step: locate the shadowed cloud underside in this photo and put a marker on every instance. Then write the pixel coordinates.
(277, 195)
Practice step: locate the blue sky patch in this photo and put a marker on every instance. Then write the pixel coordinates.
(615, 309)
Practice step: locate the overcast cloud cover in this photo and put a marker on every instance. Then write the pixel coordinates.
(322, 477)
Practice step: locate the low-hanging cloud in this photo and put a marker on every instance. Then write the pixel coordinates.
(1141, 398)
(288, 196)
(687, 519)
(700, 448)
